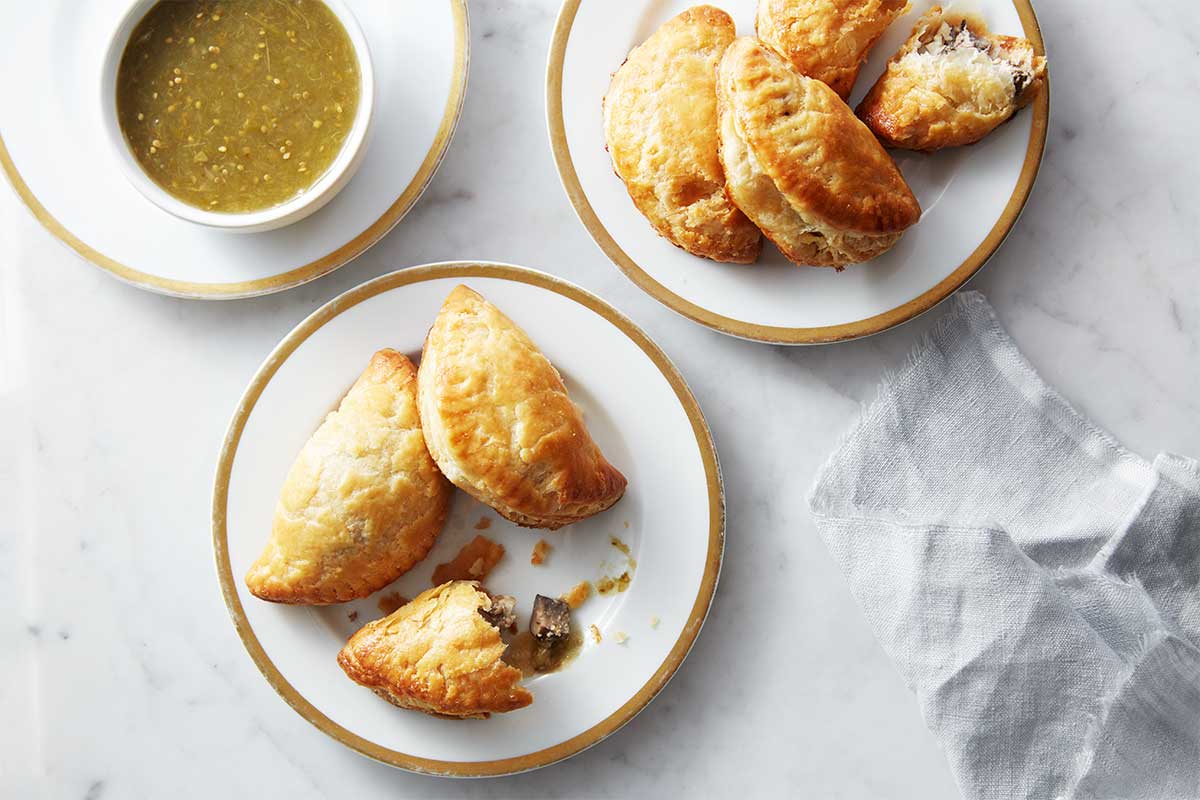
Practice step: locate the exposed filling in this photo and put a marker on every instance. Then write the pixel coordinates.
(550, 643)
(959, 41)
(502, 613)
(550, 622)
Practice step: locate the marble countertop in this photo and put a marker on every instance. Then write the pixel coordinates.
(122, 675)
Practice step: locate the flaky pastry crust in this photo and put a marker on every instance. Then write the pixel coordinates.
(952, 83)
(660, 120)
(438, 655)
(826, 39)
(802, 167)
(362, 503)
(499, 423)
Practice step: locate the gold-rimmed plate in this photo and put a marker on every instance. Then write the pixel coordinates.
(971, 197)
(54, 152)
(671, 521)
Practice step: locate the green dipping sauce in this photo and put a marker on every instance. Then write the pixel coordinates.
(239, 105)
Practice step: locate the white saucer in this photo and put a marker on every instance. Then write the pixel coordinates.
(644, 418)
(54, 152)
(971, 196)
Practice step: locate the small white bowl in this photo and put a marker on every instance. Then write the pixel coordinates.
(299, 207)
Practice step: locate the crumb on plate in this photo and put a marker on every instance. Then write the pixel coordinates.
(578, 594)
(474, 561)
(540, 551)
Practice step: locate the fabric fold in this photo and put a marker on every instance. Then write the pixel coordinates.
(1034, 582)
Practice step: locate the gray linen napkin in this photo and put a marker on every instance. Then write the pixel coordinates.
(1034, 582)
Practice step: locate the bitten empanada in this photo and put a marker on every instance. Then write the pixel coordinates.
(499, 423)
(952, 83)
(362, 503)
(826, 39)
(660, 125)
(439, 654)
(802, 166)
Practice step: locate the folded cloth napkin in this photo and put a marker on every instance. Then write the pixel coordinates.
(1035, 582)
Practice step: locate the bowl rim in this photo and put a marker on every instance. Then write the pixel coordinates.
(322, 190)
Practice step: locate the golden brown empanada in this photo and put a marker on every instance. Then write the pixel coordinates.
(952, 83)
(499, 423)
(363, 501)
(826, 39)
(802, 167)
(660, 123)
(437, 654)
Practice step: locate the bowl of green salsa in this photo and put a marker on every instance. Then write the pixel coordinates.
(244, 115)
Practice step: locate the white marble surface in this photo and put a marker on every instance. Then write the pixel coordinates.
(120, 674)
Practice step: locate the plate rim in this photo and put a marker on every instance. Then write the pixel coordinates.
(296, 276)
(772, 334)
(690, 630)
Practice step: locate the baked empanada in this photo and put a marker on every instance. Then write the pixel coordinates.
(660, 124)
(499, 423)
(362, 503)
(826, 39)
(952, 83)
(802, 166)
(439, 654)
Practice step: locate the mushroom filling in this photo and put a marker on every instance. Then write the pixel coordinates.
(960, 37)
(550, 622)
(501, 613)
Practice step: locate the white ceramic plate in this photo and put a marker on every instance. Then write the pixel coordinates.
(970, 196)
(54, 151)
(641, 413)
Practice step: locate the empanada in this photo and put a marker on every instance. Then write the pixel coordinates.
(660, 124)
(439, 654)
(499, 423)
(362, 503)
(826, 39)
(952, 83)
(802, 167)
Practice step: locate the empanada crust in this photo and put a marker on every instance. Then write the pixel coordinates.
(362, 503)
(826, 39)
(926, 102)
(499, 423)
(436, 654)
(660, 121)
(802, 166)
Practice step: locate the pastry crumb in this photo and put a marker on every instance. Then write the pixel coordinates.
(654, 622)
(626, 524)
(595, 633)
(483, 524)
(477, 558)
(540, 551)
(621, 637)
(579, 593)
(607, 585)
(389, 603)
(352, 616)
